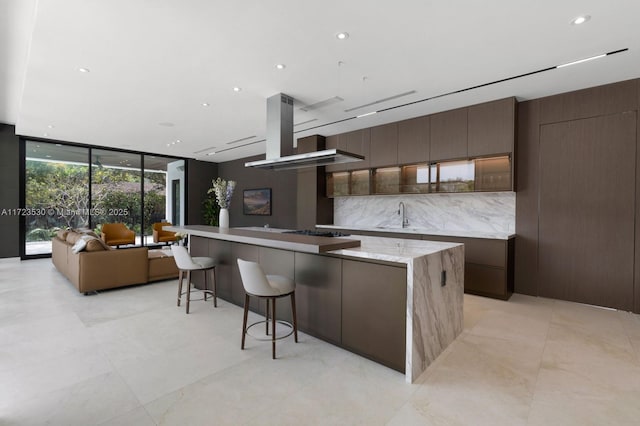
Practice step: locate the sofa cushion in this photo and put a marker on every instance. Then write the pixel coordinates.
(89, 243)
(79, 245)
(62, 234)
(72, 237)
(94, 244)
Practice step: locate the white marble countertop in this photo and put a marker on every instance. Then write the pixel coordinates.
(374, 248)
(397, 250)
(423, 231)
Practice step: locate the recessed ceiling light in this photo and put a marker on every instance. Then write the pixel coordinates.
(580, 19)
(165, 124)
(84, 70)
(237, 89)
(48, 156)
(212, 153)
(281, 66)
(178, 141)
(51, 126)
(58, 144)
(205, 104)
(45, 135)
(342, 36)
(168, 144)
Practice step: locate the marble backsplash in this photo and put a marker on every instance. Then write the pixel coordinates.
(478, 211)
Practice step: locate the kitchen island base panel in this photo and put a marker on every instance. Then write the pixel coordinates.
(435, 310)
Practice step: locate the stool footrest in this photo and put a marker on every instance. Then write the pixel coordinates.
(268, 337)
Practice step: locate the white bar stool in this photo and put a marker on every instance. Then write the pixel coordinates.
(186, 263)
(269, 287)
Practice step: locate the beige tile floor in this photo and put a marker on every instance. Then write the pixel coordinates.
(131, 357)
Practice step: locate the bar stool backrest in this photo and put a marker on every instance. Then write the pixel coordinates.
(183, 258)
(254, 279)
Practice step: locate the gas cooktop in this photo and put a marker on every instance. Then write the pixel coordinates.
(316, 233)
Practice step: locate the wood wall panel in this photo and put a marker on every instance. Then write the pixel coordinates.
(586, 220)
(636, 291)
(284, 190)
(199, 177)
(312, 205)
(527, 165)
(592, 102)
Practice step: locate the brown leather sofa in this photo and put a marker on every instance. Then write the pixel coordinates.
(99, 267)
(161, 236)
(117, 234)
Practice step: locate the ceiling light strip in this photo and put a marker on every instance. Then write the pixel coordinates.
(206, 149)
(322, 104)
(581, 61)
(241, 140)
(379, 101)
(305, 122)
(239, 146)
(457, 91)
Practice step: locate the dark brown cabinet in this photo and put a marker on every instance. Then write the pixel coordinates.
(374, 305)
(448, 135)
(483, 130)
(383, 149)
(488, 265)
(491, 128)
(356, 142)
(319, 295)
(413, 140)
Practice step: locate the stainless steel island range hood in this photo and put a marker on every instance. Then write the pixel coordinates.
(280, 142)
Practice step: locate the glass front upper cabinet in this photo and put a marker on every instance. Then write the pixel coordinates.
(473, 175)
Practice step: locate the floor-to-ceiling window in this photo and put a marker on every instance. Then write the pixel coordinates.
(161, 201)
(56, 192)
(116, 190)
(70, 186)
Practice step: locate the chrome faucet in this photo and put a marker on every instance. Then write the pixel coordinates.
(402, 211)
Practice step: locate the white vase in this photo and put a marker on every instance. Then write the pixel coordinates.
(224, 218)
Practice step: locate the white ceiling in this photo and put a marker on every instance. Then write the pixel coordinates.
(154, 63)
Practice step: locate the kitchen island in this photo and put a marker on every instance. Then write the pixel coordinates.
(398, 302)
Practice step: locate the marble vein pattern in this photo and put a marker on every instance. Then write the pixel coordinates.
(492, 212)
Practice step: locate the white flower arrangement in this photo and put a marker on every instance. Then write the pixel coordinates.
(223, 190)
